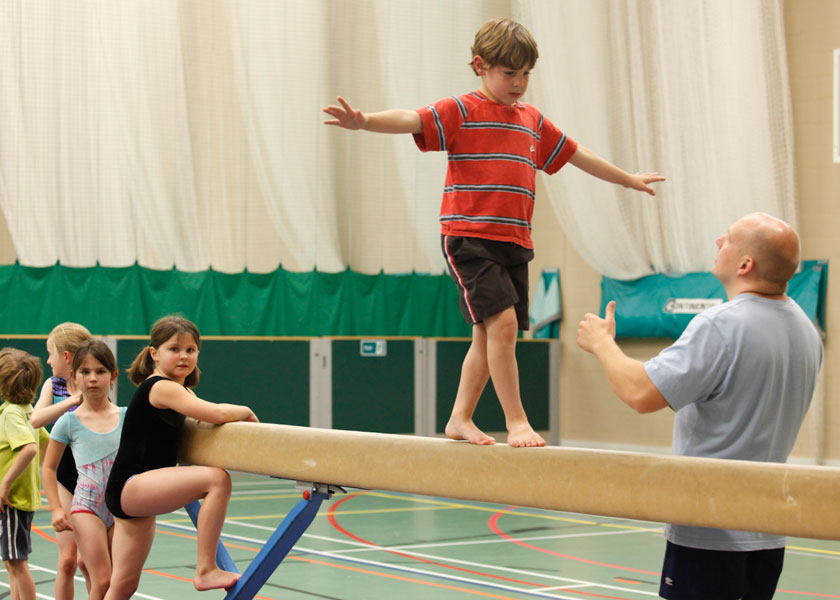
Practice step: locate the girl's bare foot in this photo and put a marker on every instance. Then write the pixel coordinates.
(522, 436)
(214, 579)
(466, 430)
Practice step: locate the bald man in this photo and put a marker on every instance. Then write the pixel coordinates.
(740, 379)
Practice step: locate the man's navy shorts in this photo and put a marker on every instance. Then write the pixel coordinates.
(695, 574)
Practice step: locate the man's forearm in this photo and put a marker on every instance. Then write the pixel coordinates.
(628, 379)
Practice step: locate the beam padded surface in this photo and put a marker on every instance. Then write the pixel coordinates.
(794, 500)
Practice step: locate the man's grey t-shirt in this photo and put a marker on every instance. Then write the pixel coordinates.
(740, 379)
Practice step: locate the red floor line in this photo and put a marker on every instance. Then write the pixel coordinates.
(40, 532)
(331, 518)
(493, 523)
(401, 578)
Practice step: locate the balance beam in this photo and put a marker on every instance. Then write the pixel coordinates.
(793, 500)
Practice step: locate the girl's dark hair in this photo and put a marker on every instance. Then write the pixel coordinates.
(98, 350)
(20, 376)
(162, 330)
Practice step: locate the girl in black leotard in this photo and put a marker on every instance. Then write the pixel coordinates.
(57, 398)
(144, 480)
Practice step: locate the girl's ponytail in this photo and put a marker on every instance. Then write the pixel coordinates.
(142, 367)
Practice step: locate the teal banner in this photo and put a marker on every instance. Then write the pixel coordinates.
(126, 301)
(662, 306)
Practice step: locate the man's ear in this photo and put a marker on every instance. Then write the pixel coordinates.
(747, 266)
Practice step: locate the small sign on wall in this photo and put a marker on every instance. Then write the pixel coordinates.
(373, 348)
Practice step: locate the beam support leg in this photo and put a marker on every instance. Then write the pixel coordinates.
(278, 545)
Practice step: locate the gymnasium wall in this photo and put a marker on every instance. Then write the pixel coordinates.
(813, 32)
(590, 414)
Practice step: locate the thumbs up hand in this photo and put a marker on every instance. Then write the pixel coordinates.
(594, 330)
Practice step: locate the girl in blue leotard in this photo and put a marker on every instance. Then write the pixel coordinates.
(92, 432)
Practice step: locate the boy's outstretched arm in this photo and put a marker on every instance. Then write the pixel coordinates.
(586, 160)
(389, 121)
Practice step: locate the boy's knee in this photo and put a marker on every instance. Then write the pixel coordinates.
(16, 566)
(505, 327)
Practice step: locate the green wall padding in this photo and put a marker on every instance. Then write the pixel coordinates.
(533, 360)
(373, 393)
(644, 306)
(269, 376)
(126, 301)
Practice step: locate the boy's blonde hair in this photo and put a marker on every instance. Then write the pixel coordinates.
(67, 337)
(20, 376)
(504, 42)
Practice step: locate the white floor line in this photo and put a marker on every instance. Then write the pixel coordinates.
(521, 539)
(37, 594)
(567, 587)
(266, 481)
(262, 492)
(342, 556)
(82, 580)
(812, 554)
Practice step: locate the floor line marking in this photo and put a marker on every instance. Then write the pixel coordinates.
(493, 523)
(831, 553)
(430, 574)
(335, 556)
(506, 541)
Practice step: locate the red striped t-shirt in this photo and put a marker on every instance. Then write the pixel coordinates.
(494, 152)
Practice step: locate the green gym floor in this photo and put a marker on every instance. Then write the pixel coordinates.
(371, 545)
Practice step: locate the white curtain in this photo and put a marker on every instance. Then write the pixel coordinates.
(695, 90)
(188, 134)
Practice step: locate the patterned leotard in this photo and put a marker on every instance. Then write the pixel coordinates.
(94, 454)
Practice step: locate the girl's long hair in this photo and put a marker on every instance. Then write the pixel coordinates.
(162, 330)
(67, 337)
(98, 350)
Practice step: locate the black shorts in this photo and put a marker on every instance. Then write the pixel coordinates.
(695, 574)
(491, 276)
(15, 541)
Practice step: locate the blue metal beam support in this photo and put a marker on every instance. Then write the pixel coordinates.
(277, 546)
(223, 559)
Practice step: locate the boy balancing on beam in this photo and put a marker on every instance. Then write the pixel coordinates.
(495, 145)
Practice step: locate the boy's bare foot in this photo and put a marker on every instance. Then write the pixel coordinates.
(214, 579)
(466, 430)
(522, 436)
